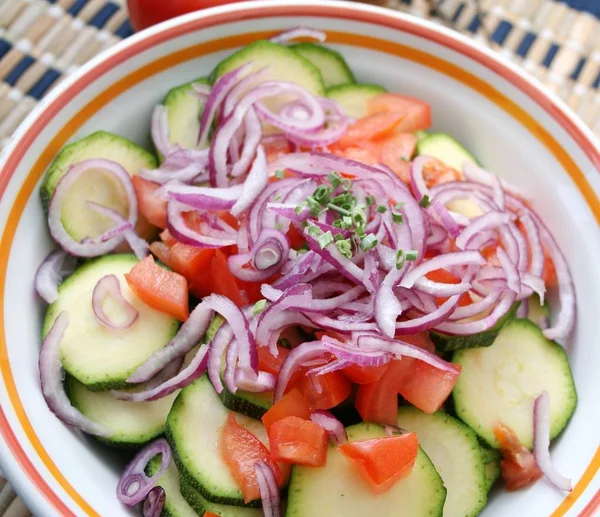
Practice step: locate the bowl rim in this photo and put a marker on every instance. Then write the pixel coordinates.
(33, 483)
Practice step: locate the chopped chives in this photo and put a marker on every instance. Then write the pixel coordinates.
(370, 200)
(325, 239)
(279, 174)
(259, 306)
(425, 201)
(411, 255)
(397, 218)
(381, 209)
(368, 242)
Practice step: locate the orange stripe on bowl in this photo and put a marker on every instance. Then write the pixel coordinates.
(193, 52)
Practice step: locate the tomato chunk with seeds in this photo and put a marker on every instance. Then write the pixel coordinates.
(518, 465)
(292, 403)
(162, 290)
(382, 462)
(298, 441)
(241, 451)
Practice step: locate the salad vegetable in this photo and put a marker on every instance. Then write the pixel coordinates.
(291, 291)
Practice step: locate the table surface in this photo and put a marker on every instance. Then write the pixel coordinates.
(43, 41)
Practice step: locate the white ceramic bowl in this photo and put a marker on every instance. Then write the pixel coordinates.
(515, 129)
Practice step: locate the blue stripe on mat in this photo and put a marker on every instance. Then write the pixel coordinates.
(591, 6)
(19, 70)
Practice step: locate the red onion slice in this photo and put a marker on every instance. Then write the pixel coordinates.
(541, 443)
(221, 345)
(166, 374)
(109, 285)
(267, 256)
(513, 279)
(269, 490)
(498, 192)
(297, 357)
(160, 130)
(477, 174)
(444, 217)
(51, 380)
(487, 221)
(204, 198)
(188, 336)
(299, 32)
(417, 181)
(535, 244)
(90, 248)
(475, 308)
(253, 383)
(154, 502)
(298, 269)
(428, 321)
(51, 272)
(355, 355)
(252, 140)
(335, 429)
(183, 233)
(134, 484)
(255, 183)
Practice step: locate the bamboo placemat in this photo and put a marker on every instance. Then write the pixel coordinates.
(43, 41)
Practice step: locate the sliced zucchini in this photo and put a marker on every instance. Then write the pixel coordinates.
(538, 313)
(499, 383)
(99, 357)
(353, 98)
(337, 489)
(184, 111)
(421, 135)
(193, 428)
(330, 63)
(446, 149)
(491, 459)
(133, 423)
(200, 504)
(254, 405)
(284, 64)
(455, 453)
(78, 218)
(450, 343)
(175, 504)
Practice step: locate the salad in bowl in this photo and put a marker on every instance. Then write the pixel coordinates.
(303, 302)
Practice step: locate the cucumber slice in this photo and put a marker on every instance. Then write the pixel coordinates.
(133, 423)
(330, 63)
(99, 357)
(499, 383)
(254, 405)
(175, 503)
(455, 453)
(537, 312)
(284, 65)
(446, 149)
(449, 343)
(184, 111)
(201, 504)
(421, 135)
(193, 428)
(78, 218)
(491, 459)
(353, 97)
(337, 489)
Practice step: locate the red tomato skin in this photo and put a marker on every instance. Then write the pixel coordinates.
(364, 374)
(292, 403)
(162, 290)
(298, 441)
(145, 13)
(417, 112)
(335, 388)
(382, 462)
(518, 465)
(150, 205)
(241, 450)
(372, 126)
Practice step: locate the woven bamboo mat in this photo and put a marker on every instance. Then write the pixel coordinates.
(43, 41)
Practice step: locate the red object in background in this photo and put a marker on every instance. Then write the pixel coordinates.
(144, 13)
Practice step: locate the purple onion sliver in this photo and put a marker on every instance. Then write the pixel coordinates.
(51, 272)
(335, 429)
(154, 502)
(109, 285)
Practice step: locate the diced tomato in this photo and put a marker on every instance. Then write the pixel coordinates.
(150, 205)
(421, 340)
(334, 389)
(299, 441)
(428, 387)
(372, 126)
(162, 290)
(241, 450)
(275, 148)
(210, 514)
(395, 151)
(292, 403)
(167, 238)
(436, 172)
(417, 113)
(364, 374)
(267, 362)
(519, 468)
(359, 154)
(222, 280)
(382, 462)
(378, 401)
(296, 238)
(162, 252)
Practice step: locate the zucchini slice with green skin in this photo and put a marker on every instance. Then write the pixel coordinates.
(200, 505)
(254, 405)
(78, 218)
(193, 429)
(450, 343)
(133, 424)
(537, 312)
(455, 452)
(284, 64)
(184, 110)
(446, 149)
(353, 98)
(100, 357)
(337, 489)
(499, 383)
(491, 459)
(330, 63)
(175, 503)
